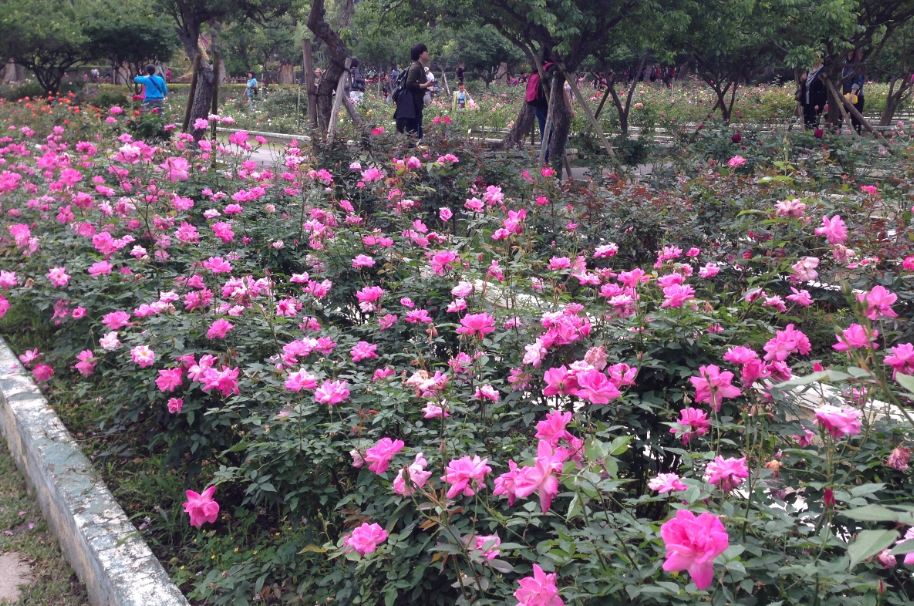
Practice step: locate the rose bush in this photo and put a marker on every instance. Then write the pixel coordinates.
(439, 376)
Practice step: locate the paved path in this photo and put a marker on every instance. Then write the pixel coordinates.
(14, 573)
(269, 154)
(32, 570)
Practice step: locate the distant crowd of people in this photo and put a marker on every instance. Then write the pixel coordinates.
(411, 89)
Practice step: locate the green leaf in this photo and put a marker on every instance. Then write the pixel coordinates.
(858, 373)
(619, 445)
(501, 566)
(868, 544)
(871, 513)
(904, 548)
(906, 381)
(574, 508)
(804, 380)
(865, 489)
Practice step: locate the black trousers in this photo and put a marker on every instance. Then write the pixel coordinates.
(407, 125)
(858, 125)
(811, 115)
(410, 126)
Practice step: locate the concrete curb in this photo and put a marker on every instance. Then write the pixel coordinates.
(105, 550)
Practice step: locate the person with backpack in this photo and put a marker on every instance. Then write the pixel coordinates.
(155, 91)
(356, 82)
(250, 89)
(409, 91)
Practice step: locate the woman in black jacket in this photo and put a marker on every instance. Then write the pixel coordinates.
(410, 103)
(812, 96)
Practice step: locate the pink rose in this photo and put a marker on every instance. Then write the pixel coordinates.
(692, 542)
(366, 538)
(201, 507)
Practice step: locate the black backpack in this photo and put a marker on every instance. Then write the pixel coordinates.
(400, 85)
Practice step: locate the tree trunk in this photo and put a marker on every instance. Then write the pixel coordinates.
(286, 73)
(217, 58)
(894, 99)
(732, 101)
(203, 96)
(856, 113)
(502, 72)
(525, 118)
(49, 77)
(337, 53)
(13, 72)
(721, 103)
(609, 85)
(561, 123)
(353, 114)
(832, 72)
(308, 60)
(222, 72)
(337, 100)
(837, 101)
(122, 74)
(195, 69)
(620, 109)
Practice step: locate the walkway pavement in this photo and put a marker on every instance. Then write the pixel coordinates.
(32, 569)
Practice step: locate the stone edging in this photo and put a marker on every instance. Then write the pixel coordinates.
(103, 547)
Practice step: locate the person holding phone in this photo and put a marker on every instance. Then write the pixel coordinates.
(155, 91)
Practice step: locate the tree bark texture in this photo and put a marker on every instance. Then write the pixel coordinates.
(286, 73)
(522, 124)
(308, 60)
(337, 101)
(337, 54)
(13, 72)
(195, 67)
(203, 96)
(894, 99)
(561, 123)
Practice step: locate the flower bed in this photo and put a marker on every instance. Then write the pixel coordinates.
(440, 376)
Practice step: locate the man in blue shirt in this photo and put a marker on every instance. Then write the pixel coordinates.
(154, 88)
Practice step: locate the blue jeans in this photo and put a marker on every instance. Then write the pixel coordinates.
(151, 105)
(541, 112)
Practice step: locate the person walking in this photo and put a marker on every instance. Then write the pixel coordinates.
(410, 101)
(250, 89)
(155, 90)
(356, 82)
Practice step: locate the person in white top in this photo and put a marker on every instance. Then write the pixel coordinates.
(432, 89)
